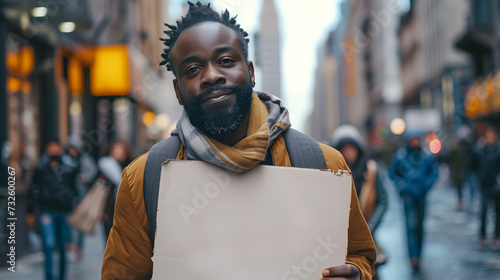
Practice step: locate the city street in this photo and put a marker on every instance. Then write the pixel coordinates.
(450, 241)
(31, 266)
(449, 252)
(87, 86)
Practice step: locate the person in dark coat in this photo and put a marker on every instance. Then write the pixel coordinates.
(413, 172)
(487, 163)
(52, 193)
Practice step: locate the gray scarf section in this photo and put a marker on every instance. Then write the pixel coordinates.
(199, 149)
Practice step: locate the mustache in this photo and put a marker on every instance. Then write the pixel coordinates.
(233, 88)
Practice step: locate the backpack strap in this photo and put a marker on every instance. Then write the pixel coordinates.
(303, 150)
(159, 153)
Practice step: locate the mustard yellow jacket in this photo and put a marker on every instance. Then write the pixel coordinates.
(129, 250)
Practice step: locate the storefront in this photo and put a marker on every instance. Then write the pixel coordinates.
(29, 90)
(482, 101)
(29, 113)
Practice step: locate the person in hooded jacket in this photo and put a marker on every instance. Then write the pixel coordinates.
(369, 186)
(413, 172)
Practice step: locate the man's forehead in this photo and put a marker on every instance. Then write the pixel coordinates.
(209, 26)
(205, 34)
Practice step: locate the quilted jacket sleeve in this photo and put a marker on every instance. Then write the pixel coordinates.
(361, 250)
(129, 250)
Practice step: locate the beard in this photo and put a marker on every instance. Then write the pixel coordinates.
(224, 122)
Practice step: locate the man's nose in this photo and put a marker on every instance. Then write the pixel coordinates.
(212, 76)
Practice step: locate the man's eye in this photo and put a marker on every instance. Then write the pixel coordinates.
(226, 61)
(192, 70)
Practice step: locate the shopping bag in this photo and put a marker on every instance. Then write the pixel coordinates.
(368, 194)
(90, 210)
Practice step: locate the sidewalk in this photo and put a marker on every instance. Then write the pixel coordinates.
(31, 267)
(449, 251)
(450, 240)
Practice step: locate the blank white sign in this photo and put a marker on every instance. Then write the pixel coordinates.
(267, 223)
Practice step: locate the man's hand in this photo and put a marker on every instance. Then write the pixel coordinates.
(346, 272)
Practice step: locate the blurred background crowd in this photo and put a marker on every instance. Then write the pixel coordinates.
(407, 90)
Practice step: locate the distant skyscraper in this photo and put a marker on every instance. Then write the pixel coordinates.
(268, 49)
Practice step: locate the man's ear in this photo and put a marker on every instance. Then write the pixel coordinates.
(252, 73)
(177, 93)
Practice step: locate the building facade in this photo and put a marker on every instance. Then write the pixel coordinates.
(435, 75)
(481, 41)
(325, 116)
(77, 68)
(268, 49)
(366, 86)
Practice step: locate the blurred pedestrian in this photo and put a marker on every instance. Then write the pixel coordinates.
(369, 186)
(459, 161)
(86, 173)
(413, 172)
(118, 156)
(52, 191)
(487, 163)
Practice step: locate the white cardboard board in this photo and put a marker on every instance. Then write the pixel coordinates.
(267, 223)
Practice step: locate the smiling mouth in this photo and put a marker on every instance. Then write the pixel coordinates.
(216, 96)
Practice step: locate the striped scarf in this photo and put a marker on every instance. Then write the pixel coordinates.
(268, 119)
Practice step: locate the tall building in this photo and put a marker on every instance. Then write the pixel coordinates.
(268, 49)
(344, 91)
(411, 58)
(382, 70)
(354, 104)
(325, 116)
(366, 89)
(434, 74)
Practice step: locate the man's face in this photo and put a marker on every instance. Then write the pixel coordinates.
(119, 152)
(73, 151)
(350, 153)
(214, 82)
(414, 143)
(490, 137)
(53, 149)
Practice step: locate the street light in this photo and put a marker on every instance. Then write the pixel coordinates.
(67, 27)
(39, 12)
(398, 126)
(435, 146)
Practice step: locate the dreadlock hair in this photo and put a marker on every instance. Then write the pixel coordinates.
(199, 13)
